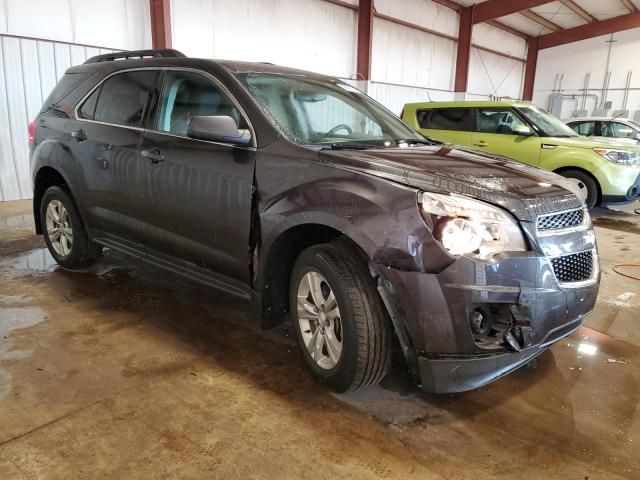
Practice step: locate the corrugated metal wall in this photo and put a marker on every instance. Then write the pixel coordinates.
(309, 34)
(30, 69)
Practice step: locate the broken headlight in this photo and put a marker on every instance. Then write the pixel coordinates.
(470, 227)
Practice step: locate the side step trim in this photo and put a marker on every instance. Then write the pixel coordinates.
(184, 269)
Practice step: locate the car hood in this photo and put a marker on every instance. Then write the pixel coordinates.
(524, 190)
(589, 142)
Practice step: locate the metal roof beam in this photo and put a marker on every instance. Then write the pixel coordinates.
(540, 20)
(492, 9)
(590, 30)
(578, 10)
(630, 6)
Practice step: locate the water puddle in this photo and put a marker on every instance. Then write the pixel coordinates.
(14, 318)
(39, 260)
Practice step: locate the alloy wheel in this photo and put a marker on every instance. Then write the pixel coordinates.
(59, 228)
(319, 320)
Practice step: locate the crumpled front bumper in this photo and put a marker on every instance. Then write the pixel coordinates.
(435, 310)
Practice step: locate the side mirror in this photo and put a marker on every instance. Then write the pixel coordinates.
(522, 130)
(217, 128)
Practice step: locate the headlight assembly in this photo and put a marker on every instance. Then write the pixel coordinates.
(470, 227)
(620, 157)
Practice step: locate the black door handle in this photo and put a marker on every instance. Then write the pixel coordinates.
(79, 135)
(153, 154)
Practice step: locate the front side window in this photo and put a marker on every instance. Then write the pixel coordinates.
(584, 128)
(446, 119)
(319, 112)
(498, 120)
(189, 94)
(121, 99)
(545, 124)
(621, 130)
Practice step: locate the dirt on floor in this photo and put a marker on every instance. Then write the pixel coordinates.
(122, 372)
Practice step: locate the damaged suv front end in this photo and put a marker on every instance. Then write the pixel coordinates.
(491, 311)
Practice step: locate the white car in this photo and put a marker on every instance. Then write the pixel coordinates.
(621, 129)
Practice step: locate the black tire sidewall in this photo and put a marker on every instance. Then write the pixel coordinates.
(79, 246)
(341, 376)
(592, 187)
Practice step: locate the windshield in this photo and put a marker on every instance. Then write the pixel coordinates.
(546, 124)
(326, 113)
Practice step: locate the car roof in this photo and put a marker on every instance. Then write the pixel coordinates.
(231, 66)
(470, 103)
(597, 119)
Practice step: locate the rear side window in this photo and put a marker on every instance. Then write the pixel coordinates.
(121, 99)
(446, 119)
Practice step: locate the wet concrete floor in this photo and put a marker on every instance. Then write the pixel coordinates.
(123, 372)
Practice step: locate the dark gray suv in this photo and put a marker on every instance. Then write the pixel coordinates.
(298, 192)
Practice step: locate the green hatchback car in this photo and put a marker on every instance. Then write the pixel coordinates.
(606, 170)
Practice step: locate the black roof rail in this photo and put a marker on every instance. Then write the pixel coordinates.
(109, 57)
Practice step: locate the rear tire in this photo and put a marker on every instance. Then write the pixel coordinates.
(355, 319)
(64, 232)
(586, 184)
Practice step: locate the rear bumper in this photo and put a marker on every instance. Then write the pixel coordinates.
(462, 373)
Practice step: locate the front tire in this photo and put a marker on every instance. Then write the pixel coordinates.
(340, 322)
(64, 232)
(586, 183)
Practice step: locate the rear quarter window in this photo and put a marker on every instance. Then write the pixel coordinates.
(67, 84)
(445, 119)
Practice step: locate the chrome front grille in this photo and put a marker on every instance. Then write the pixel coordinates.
(561, 220)
(574, 267)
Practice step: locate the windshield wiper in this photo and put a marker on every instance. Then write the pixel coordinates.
(414, 141)
(347, 146)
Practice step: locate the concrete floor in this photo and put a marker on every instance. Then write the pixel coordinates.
(122, 372)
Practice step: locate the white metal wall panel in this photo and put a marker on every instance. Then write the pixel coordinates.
(422, 12)
(29, 71)
(120, 24)
(411, 57)
(499, 40)
(575, 60)
(495, 75)
(395, 96)
(308, 34)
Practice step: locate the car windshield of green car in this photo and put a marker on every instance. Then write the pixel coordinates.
(327, 114)
(546, 124)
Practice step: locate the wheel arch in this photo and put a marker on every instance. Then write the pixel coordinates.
(276, 267)
(561, 170)
(44, 178)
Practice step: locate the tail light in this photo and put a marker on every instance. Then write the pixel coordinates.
(32, 133)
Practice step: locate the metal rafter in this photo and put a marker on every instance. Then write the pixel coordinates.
(630, 6)
(578, 10)
(492, 9)
(590, 30)
(508, 29)
(540, 20)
